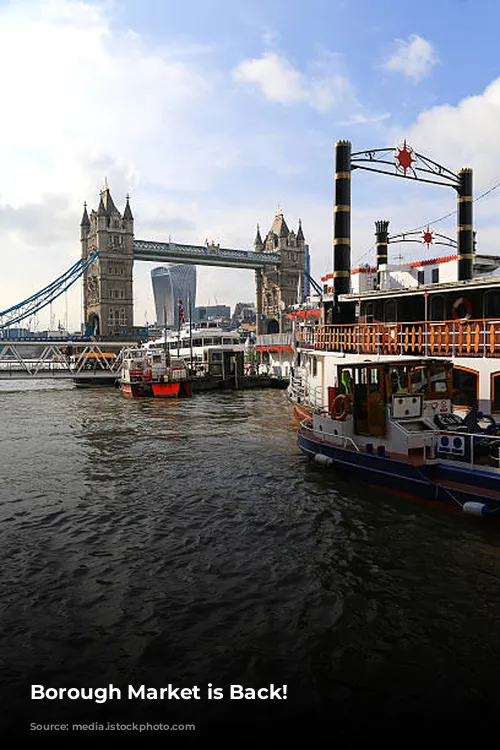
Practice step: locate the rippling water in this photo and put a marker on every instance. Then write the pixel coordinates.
(187, 542)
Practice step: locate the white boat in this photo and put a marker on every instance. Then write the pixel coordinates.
(391, 424)
(207, 349)
(411, 315)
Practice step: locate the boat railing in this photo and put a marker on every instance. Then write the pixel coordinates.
(315, 397)
(344, 440)
(472, 438)
(274, 339)
(465, 338)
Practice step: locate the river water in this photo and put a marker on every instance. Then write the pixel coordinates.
(190, 542)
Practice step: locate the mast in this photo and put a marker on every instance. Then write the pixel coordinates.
(190, 335)
(165, 347)
(181, 320)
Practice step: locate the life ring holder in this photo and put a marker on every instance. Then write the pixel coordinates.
(340, 407)
(468, 308)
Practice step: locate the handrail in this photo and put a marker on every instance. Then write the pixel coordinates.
(495, 319)
(303, 425)
(478, 337)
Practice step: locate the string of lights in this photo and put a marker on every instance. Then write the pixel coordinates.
(369, 249)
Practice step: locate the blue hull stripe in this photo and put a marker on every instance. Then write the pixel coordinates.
(405, 477)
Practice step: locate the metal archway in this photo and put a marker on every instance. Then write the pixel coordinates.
(407, 164)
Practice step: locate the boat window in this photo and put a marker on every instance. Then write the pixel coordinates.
(374, 379)
(465, 386)
(437, 307)
(495, 392)
(418, 380)
(197, 342)
(437, 378)
(493, 304)
(314, 367)
(390, 315)
(346, 382)
(360, 376)
(398, 377)
(227, 341)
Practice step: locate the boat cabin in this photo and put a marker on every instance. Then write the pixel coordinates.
(412, 389)
(392, 422)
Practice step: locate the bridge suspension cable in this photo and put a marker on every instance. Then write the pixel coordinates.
(31, 305)
(317, 288)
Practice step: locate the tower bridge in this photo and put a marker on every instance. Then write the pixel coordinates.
(203, 255)
(109, 250)
(278, 263)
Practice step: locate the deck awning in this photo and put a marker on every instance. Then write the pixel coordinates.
(304, 314)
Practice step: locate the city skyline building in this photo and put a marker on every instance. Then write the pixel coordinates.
(211, 312)
(171, 283)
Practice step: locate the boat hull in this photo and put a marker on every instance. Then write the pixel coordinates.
(166, 390)
(172, 389)
(136, 390)
(449, 485)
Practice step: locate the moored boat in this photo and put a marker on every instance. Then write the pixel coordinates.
(136, 377)
(392, 423)
(170, 381)
(154, 374)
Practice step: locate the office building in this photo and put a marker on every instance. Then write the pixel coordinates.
(171, 283)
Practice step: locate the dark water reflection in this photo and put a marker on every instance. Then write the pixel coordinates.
(190, 542)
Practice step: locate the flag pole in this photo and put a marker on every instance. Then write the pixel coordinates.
(181, 320)
(190, 334)
(179, 328)
(165, 347)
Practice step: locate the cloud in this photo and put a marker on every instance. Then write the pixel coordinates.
(465, 135)
(360, 119)
(279, 81)
(415, 58)
(78, 91)
(81, 100)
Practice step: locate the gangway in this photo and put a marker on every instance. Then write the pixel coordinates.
(64, 360)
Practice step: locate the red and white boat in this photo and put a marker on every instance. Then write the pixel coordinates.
(169, 380)
(153, 374)
(136, 377)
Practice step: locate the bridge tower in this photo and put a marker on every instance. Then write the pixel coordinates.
(282, 286)
(108, 302)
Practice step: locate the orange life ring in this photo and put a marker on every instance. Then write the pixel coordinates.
(458, 303)
(340, 407)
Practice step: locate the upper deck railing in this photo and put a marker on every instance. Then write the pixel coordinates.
(467, 338)
(274, 339)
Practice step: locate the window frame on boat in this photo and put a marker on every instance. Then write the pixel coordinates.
(475, 398)
(360, 373)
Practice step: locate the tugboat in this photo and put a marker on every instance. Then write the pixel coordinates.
(136, 376)
(392, 423)
(145, 374)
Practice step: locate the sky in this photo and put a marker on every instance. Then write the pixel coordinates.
(212, 113)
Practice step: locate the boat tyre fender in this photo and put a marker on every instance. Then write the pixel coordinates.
(462, 302)
(340, 407)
